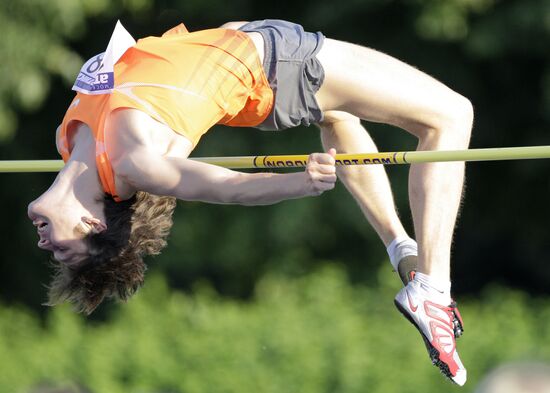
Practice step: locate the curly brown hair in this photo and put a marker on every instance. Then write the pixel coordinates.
(115, 268)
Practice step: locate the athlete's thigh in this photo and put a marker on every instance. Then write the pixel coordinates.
(374, 86)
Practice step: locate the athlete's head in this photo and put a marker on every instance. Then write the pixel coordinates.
(100, 255)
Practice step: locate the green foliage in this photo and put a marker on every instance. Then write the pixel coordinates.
(312, 334)
(35, 45)
(448, 19)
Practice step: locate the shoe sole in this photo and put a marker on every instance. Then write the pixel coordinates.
(432, 351)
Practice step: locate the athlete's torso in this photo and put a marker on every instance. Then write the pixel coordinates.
(159, 137)
(144, 125)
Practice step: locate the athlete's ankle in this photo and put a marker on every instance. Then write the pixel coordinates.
(399, 248)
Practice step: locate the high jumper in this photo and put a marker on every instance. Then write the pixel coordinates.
(142, 107)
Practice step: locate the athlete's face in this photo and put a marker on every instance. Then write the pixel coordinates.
(61, 229)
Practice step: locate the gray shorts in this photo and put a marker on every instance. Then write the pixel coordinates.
(293, 72)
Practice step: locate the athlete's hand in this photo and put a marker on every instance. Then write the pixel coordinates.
(321, 172)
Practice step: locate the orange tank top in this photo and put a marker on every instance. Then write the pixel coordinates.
(187, 81)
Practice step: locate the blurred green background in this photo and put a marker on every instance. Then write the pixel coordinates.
(296, 297)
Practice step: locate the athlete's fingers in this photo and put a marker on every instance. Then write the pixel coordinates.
(325, 173)
(321, 171)
(322, 158)
(314, 168)
(324, 186)
(326, 169)
(322, 183)
(325, 177)
(328, 178)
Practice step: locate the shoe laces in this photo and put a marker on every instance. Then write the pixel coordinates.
(457, 323)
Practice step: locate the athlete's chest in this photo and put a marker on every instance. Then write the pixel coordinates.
(134, 128)
(131, 129)
(164, 141)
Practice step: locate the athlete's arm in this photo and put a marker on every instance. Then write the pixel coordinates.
(190, 180)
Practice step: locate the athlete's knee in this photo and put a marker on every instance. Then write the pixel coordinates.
(461, 118)
(452, 121)
(466, 114)
(330, 118)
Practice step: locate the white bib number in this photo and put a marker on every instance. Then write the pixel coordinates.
(97, 75)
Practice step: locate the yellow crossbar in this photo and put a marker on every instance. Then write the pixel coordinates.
(296, 161)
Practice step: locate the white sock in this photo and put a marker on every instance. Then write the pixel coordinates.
(430, 284)
(400, 247)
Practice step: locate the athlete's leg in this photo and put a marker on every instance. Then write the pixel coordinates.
(369, 185)
(377, 87)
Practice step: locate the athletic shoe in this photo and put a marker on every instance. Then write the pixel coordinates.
(407, 269)
(435, 323)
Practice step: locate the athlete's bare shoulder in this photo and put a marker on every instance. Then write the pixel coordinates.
(131, 137)
(130, 129)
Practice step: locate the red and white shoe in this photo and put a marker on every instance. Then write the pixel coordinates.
(435, 322)
(407, 270)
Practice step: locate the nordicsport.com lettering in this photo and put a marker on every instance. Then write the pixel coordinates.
(302, 163)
